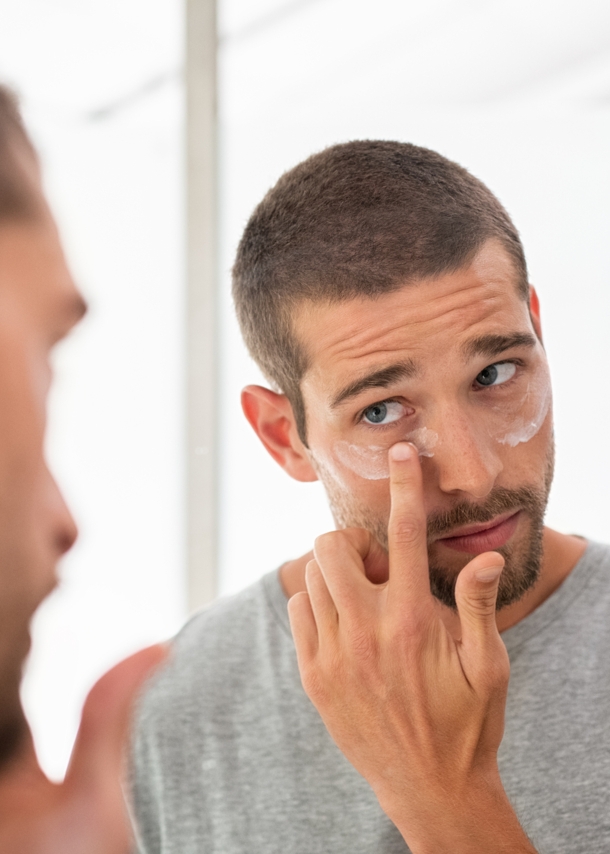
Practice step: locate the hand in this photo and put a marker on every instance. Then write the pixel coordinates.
(417, 709)
(86, 813)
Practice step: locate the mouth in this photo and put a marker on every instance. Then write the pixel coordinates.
(476, 539)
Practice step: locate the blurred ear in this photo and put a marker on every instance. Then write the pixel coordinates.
(535, 312)
(272, 419)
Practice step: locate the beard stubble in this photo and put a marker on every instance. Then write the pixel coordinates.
(522, 560)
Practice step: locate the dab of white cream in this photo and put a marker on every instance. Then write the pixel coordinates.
(424, 440)
(371, 461)
(527, 425)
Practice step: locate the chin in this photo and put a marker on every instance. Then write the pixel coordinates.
(523, 561)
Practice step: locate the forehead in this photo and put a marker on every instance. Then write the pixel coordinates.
(425, 321)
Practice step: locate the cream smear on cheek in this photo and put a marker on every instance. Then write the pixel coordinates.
(512, 428)
(534, 409)
(371, 461)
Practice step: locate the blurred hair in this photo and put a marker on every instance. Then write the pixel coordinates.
(356, 220)
(17, 197)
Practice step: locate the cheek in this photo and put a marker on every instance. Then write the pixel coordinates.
(370, 461)
(531, 462)
(355, 475)
(367, 462)
(535, 457)
(520, 423)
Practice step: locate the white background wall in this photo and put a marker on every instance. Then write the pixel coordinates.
(519, 92)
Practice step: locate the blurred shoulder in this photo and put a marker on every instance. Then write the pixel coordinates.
(220, 651)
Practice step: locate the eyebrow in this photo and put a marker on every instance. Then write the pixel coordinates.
(494, 345)
(377, 379)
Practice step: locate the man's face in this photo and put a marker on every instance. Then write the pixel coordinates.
(455, 365)
(38, 305)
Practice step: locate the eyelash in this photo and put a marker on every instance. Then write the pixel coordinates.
(369, 425)
(518, 363)
(360, 416)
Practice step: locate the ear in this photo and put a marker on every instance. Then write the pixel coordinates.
(535, 312)
(272, 419)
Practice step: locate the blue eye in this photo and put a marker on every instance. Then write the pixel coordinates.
(376, 414)
(496, 374)
(383, 413)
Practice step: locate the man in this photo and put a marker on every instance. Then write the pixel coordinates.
(39, 304)
(383, 290)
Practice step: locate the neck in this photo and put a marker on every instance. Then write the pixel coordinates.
(561, 553)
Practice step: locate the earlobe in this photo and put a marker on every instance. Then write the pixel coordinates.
(272, 419)
(534, 306)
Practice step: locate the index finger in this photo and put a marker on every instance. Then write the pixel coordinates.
(407, 541)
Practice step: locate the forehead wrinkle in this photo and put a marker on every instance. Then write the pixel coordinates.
(366, 342)
(354, 332)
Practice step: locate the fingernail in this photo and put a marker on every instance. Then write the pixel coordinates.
(488, 574)
(402, 451)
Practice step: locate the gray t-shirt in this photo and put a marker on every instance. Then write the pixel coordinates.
(231, 757)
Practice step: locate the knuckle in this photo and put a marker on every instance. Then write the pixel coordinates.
(330, 544)
(322, 542)
(483, 604)
(313, 684)
(363, 645)
(358, 538)
(408, 635)
(403, 476)
(407, 531)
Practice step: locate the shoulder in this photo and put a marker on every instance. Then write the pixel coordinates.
(218, 655)
(592, 574)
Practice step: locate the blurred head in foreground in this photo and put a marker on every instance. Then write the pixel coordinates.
(38, 305)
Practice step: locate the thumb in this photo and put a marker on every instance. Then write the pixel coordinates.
(98, 750)
(476, 591)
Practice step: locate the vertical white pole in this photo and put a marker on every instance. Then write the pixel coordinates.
(201, 303)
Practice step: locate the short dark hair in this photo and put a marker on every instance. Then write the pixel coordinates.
(358, 219)
(17, 198)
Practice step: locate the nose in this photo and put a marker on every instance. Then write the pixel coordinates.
(465, 460)
(64, 530)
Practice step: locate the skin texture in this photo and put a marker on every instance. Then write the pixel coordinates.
(393, 683)
(430, 323)
(39, 304)
(392, 671)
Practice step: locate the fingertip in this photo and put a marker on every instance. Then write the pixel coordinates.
(310, 567)
(488, 567)
(405, 468)
(302, 624)
(487, 575)
(402, 452)
(297, 600)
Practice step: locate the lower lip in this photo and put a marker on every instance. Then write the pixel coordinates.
(484, 541)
